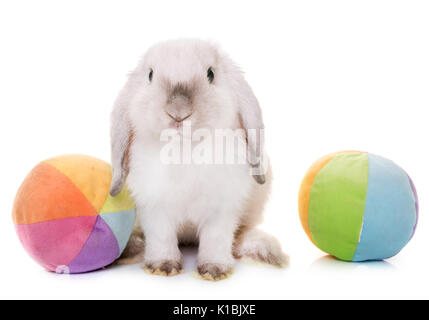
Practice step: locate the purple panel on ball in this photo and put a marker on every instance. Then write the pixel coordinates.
(100, 250)
(413, 187)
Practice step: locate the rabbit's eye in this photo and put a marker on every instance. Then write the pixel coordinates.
(210, 75)
(150, 75)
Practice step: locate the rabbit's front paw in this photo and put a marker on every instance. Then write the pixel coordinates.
(166, 268)
(214, 271)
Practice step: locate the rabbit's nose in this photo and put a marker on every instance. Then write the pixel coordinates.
(178, 111)
(179, 107)
(181, 91)
(179, 118)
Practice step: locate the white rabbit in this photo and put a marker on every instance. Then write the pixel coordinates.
(177, 84)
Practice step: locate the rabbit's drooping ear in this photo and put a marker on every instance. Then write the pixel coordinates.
(252, 123)
(121, 134)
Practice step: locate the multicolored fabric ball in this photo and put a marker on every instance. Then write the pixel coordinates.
(67, 220)
(358, 206)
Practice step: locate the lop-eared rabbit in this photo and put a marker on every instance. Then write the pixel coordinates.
(187, 87)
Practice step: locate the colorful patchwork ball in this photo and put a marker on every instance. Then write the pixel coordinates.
(67, 220)
(358, 206)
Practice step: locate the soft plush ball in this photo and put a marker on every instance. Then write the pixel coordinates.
(65, 217)
(358, 206)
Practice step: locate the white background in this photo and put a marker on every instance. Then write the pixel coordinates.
(330, 75)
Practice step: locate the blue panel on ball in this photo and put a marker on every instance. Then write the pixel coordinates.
(121, 223)
(390, 211)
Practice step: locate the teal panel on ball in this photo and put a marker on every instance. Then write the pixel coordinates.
(390, 211)
(121, 224)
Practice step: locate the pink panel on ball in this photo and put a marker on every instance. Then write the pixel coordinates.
(57, 242)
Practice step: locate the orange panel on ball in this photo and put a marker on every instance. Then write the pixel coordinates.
(46, 194)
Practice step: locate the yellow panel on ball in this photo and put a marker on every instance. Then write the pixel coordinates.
(92, 176)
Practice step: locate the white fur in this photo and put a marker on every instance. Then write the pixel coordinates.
(204, 204)
(172, 199)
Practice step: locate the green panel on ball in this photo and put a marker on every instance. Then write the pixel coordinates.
(337, 204)
(121, 202)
